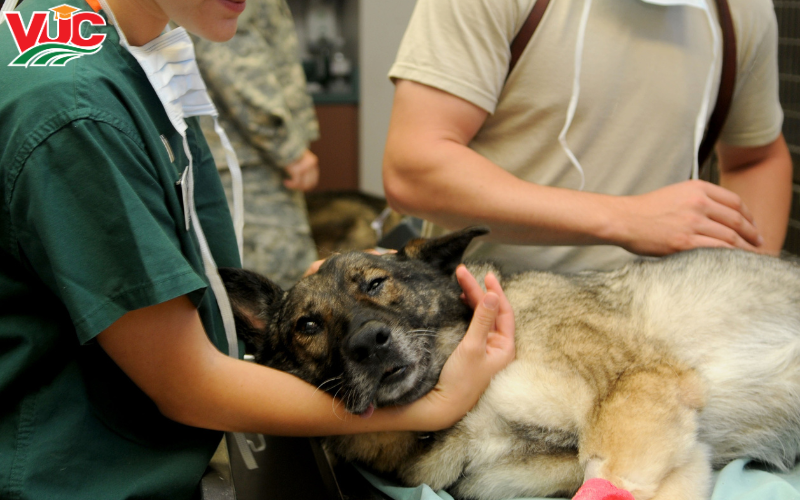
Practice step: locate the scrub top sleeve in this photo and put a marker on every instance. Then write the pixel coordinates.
(100, 223)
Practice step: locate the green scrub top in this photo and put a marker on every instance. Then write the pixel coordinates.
(91, 227)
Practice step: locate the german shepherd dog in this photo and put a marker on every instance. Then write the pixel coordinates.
(648, 376)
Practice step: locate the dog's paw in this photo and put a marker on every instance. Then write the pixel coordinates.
(597, 468)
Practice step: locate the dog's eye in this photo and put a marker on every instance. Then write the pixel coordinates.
(307, 326)
(374, 286)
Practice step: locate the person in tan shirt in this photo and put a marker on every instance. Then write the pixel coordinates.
(470, 144)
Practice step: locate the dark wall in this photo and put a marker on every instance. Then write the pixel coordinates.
(788, 13)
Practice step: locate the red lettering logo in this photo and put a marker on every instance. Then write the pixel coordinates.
(37, 48)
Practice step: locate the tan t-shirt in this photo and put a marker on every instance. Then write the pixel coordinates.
(644, 70)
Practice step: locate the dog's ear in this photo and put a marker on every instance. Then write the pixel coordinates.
(251, 296)
(445, 252)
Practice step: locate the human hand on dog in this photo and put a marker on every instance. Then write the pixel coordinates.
(487, 348)
(683, 216)
(313, 268)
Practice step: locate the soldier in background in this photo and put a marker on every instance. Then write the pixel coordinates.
(257, 82)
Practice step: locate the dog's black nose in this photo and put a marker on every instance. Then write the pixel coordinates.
(369, 340)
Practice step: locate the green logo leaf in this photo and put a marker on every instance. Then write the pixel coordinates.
(51, 54)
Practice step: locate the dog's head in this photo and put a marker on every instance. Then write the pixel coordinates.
(372, 330)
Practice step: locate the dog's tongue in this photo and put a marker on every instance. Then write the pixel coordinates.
(368, 412)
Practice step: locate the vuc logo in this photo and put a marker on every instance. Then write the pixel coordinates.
(35, 46)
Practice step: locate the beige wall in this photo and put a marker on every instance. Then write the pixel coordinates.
(381, 26)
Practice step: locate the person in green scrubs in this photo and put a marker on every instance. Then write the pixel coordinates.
(114, 377)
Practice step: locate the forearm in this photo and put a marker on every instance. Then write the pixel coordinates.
(453, 186)
(770, 213)
(233, 395)
(166, 353)
(765, 185)
(767, 191)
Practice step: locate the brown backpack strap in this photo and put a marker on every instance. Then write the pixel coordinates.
(526, 32)
(726, 85)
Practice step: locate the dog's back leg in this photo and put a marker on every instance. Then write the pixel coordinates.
(642, 435)
(691, 480)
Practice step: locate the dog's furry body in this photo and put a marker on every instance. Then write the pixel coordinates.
(647, 376)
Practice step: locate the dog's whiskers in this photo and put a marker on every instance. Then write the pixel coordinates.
(431, 335)
(423, 332)
(332, 379)
(335, 402)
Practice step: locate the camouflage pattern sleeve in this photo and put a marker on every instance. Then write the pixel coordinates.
(259, 88)
(257, 82)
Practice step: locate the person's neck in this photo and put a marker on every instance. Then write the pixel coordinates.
(140, 20)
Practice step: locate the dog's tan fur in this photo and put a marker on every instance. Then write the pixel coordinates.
(648, 376)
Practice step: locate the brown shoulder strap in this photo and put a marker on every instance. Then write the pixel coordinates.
(726, 85)
(526, 32)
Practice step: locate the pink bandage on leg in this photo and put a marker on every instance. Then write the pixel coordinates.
(600, 489)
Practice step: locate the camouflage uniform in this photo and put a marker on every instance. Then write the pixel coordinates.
(258, 85)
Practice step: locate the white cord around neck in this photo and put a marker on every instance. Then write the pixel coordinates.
(576, 90)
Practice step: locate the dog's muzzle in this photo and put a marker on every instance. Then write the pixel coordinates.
(372, 347)
(370, 343)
